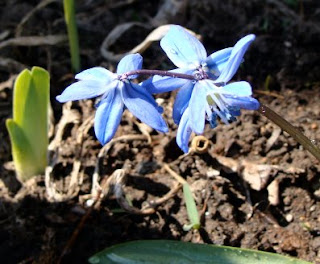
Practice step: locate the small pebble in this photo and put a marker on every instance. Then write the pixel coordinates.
(289, 218)
(212, 173)
(312, 208)
(314, 126)
(89, 202)
(317, 193)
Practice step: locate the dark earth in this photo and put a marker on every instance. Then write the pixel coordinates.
(255, 187)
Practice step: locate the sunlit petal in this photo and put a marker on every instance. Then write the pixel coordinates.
(218, 60)
(248, 103)
(237, 89)
(162, 84)
(84, 90)
(182, 48)
(129, 63)
(182, 100)
(197, 107)
(184, 132)
(235, 58)
(98, 74)
(142, 105)
(108, 117)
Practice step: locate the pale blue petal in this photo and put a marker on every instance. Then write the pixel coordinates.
(99, 74)
(84, 90)
(182, 48)
(248, 103)
(108, 117)
(184, 132)
(182, 100)
(142, 105)
(217, 61)
(197, 107)
(145, 92)
(129, 63)
(237, 89)
(235, 58)
(162, 84)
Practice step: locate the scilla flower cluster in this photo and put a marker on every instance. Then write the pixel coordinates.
(204, 92)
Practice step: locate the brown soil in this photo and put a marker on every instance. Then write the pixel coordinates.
(283, 67)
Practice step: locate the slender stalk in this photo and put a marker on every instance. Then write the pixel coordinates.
(159, 72)
(295, 133)
(69, 14)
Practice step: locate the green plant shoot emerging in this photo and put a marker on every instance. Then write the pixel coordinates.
(28, 129)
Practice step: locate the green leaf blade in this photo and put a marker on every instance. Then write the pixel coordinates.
(174, 252)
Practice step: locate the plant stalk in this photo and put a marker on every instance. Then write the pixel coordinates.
(70, 18)
(294, 132)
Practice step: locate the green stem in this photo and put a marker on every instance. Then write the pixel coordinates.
(69, 14)
(294, 132)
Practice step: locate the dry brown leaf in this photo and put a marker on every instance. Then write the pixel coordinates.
(170, 9)
(156, 35)
(274, 136)
(34, 41)
(257, 175)
(231, 164)
(273, 192)
(112, 37)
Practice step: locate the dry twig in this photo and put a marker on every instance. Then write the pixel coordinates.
(34, 41)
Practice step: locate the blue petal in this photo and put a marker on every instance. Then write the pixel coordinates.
(108, 117)
(182, 48)
(142, 105)
(184, 132)
(84, 90)
(234, 110)
(162, 84)
(213, 120)
(235, 58)
(182, 100)
(248, 103)
(129, 63)
(237, 89)
(96, 74)
(218, 60)
(197, 106)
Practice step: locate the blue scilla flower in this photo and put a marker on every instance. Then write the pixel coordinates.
(190, 56)
(116, 91)
(207, 102)
(208, 96)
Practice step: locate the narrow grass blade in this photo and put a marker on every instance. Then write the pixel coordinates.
(28, 129)
(174, 252)
(191, 208)
(70, 18)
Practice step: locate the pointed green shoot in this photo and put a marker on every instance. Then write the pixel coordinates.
(166, 251)
(28, 129)
(70, 18)
(191, 208)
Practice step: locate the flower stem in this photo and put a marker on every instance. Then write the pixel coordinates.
(294, 132)
(161, 73)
